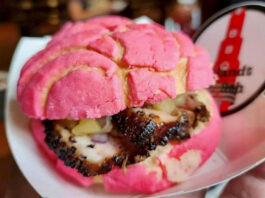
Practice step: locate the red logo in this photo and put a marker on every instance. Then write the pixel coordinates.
(227, 64)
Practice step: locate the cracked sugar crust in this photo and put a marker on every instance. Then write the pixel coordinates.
(127, 65)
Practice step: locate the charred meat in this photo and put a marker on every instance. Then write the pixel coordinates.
(131, 135)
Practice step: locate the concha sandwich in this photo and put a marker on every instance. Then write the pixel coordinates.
(122, 104)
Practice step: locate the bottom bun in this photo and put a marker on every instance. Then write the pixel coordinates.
(166, 166)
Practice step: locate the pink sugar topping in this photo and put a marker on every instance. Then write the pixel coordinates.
(149, 46)
(147, 86)
(186, 44)
(120, 53)
(200, 73)
(94, 96)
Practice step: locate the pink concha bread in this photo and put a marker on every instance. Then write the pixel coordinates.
(71, 37)
(166, 166)
(97, 25)
(137, 63)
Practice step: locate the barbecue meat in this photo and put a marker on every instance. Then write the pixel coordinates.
(136, 132)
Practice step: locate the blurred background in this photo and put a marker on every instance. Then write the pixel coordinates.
(37, 18)
(41, 17)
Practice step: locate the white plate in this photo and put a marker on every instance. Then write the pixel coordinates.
(241, 148)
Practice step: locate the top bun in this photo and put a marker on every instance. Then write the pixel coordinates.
(101, 66)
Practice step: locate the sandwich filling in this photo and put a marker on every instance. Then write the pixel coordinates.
(95, 146)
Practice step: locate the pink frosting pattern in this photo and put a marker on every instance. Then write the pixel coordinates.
(98, 25)
(105, 45)
(50, 53)
(150, 87)
(79, 29)
(200, 73)
(186, 44)
(144, 49)
(149, 46)
(83, 84)
(109, 22)
(88, 102)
